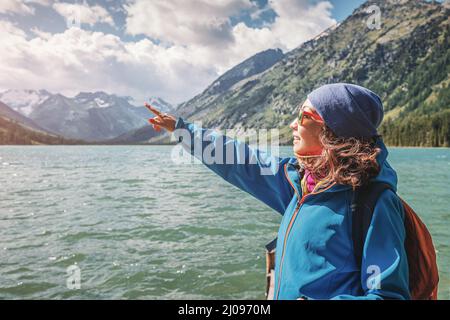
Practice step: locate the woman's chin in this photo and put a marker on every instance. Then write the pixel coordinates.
(297, 147)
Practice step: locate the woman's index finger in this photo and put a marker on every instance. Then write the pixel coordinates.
(152, 109)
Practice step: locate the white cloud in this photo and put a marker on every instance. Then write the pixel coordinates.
(15, 6)
(298, 21)
(9, 30)
(204, 26)
(22, 7)
(40, 2)
(197, 44)
(80, 60)
(198, 22)
(84, 13)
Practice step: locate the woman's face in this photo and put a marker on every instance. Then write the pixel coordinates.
(306, 135)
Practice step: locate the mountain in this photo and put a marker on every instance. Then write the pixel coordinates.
(90, 116)
(160, 104)
(143, 135)
(406, 62)
(17, 129)
(254, 65)
(7, 112)
(24, 101)
(146, 134)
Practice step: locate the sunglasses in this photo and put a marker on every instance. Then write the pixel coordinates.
(309, 115)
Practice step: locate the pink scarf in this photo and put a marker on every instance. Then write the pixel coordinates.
(310, 183)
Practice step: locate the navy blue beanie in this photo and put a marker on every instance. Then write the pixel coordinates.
(348, 110)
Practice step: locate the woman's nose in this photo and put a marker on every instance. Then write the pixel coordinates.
(294, 125)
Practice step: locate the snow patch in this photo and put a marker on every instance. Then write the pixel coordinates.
(102, 103)
(24, 101)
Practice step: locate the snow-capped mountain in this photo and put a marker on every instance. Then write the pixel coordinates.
(16, 129)
(12, 115)
(99, 99)
(160, 104)
(24, 101)
(90, 116)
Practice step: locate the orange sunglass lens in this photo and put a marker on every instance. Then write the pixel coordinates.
(313, 116)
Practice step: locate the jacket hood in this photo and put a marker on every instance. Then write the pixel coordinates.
(387, 173)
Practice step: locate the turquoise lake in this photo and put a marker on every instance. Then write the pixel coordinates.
(139, 226)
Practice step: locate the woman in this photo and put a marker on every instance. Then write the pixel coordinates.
(337, 149)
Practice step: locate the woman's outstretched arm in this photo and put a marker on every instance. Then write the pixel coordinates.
(254, 171)
(249, 169)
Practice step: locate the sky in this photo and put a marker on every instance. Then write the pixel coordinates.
(171, 49)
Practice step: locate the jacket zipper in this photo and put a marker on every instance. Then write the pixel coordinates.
(291, 222)
(297, 209)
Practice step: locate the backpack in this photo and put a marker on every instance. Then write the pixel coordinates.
(423, 270)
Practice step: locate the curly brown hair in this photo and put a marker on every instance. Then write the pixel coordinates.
(348, 161)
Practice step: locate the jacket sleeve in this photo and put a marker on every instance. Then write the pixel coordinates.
(250, 170)
(384, 270)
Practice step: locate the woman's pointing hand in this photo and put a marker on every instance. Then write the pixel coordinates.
(162, 120)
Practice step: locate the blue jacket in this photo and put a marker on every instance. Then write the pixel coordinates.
(314, 254)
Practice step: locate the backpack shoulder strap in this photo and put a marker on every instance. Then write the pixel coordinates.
(363, 204)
